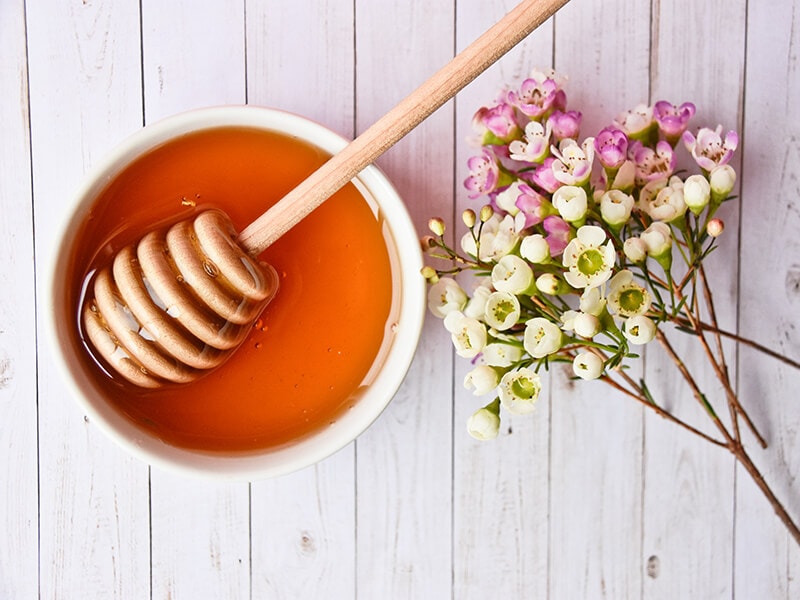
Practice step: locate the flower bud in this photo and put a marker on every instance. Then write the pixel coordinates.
(571, 202)
(586, 325)
(715, 227)
(547, 283)
(486, 213)
(657, 239)
(615, 207)
(587, 365)
(469, 218)
(635, 250)
(696, 193)
(482, 380)
(484, 424)
(436, 225)
(535, 249)
(430, 274)
(428, 242)
(722, 179)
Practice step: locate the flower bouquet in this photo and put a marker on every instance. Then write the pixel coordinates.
(583, 252)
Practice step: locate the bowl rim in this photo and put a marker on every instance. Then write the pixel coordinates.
(306, 451)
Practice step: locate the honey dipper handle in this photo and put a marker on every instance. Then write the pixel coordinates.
(395, 124)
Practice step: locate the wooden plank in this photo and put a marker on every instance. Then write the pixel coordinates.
(403, 462)
(688, 499)
(85, 96)
(19, 502)
(303, 524)
(200, 529)
(500, 506)
(596, 476)
(767, 559)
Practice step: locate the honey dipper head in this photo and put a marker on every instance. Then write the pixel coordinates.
(176, 304)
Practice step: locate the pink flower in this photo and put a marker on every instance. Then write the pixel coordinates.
(672, 120)
(636, 122)
(573, 164)
(533, 207)
(652, 164)
(565, 124)
(499, 120)
(708, 148)
(543, 176)
(558, 234)
(484, 173)
(611, 146)
(538, 95)
(534, 145)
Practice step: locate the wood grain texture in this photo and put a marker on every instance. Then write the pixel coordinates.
(404, 460)
(588, 498)
(86, 96)
(597, 476)
(767, 560)
(500, 503)
(303, 526)
(19, 501)
(689, 497)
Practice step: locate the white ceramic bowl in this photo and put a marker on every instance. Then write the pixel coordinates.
(385, 376)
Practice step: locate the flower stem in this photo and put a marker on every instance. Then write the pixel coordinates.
(734, 446)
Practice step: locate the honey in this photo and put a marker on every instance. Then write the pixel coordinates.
(313, 346)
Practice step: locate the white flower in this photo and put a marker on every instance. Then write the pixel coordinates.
(635, 249)
(484, 424)
(587, 365)
(502, 310)
(626, 297)
(476, 307)
(446, 296)
(588, 261)
(615, 207)
(534, 144)
(535, 249)
(501, 355)
(498, 237)
(507, 199)
(482, 379)
(722, 179)
(592, 302)
(468, 335)
(657, 238)
(663, 200)
(639, 329)
(696, 193)
(519, 390)
(571, 202)
(542, 337)
(512, 274)
(635, 121)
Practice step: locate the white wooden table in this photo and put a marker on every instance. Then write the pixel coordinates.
(592, 497)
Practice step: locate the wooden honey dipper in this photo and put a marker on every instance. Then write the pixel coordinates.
(177, 303)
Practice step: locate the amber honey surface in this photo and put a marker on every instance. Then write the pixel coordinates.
(314, 344)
